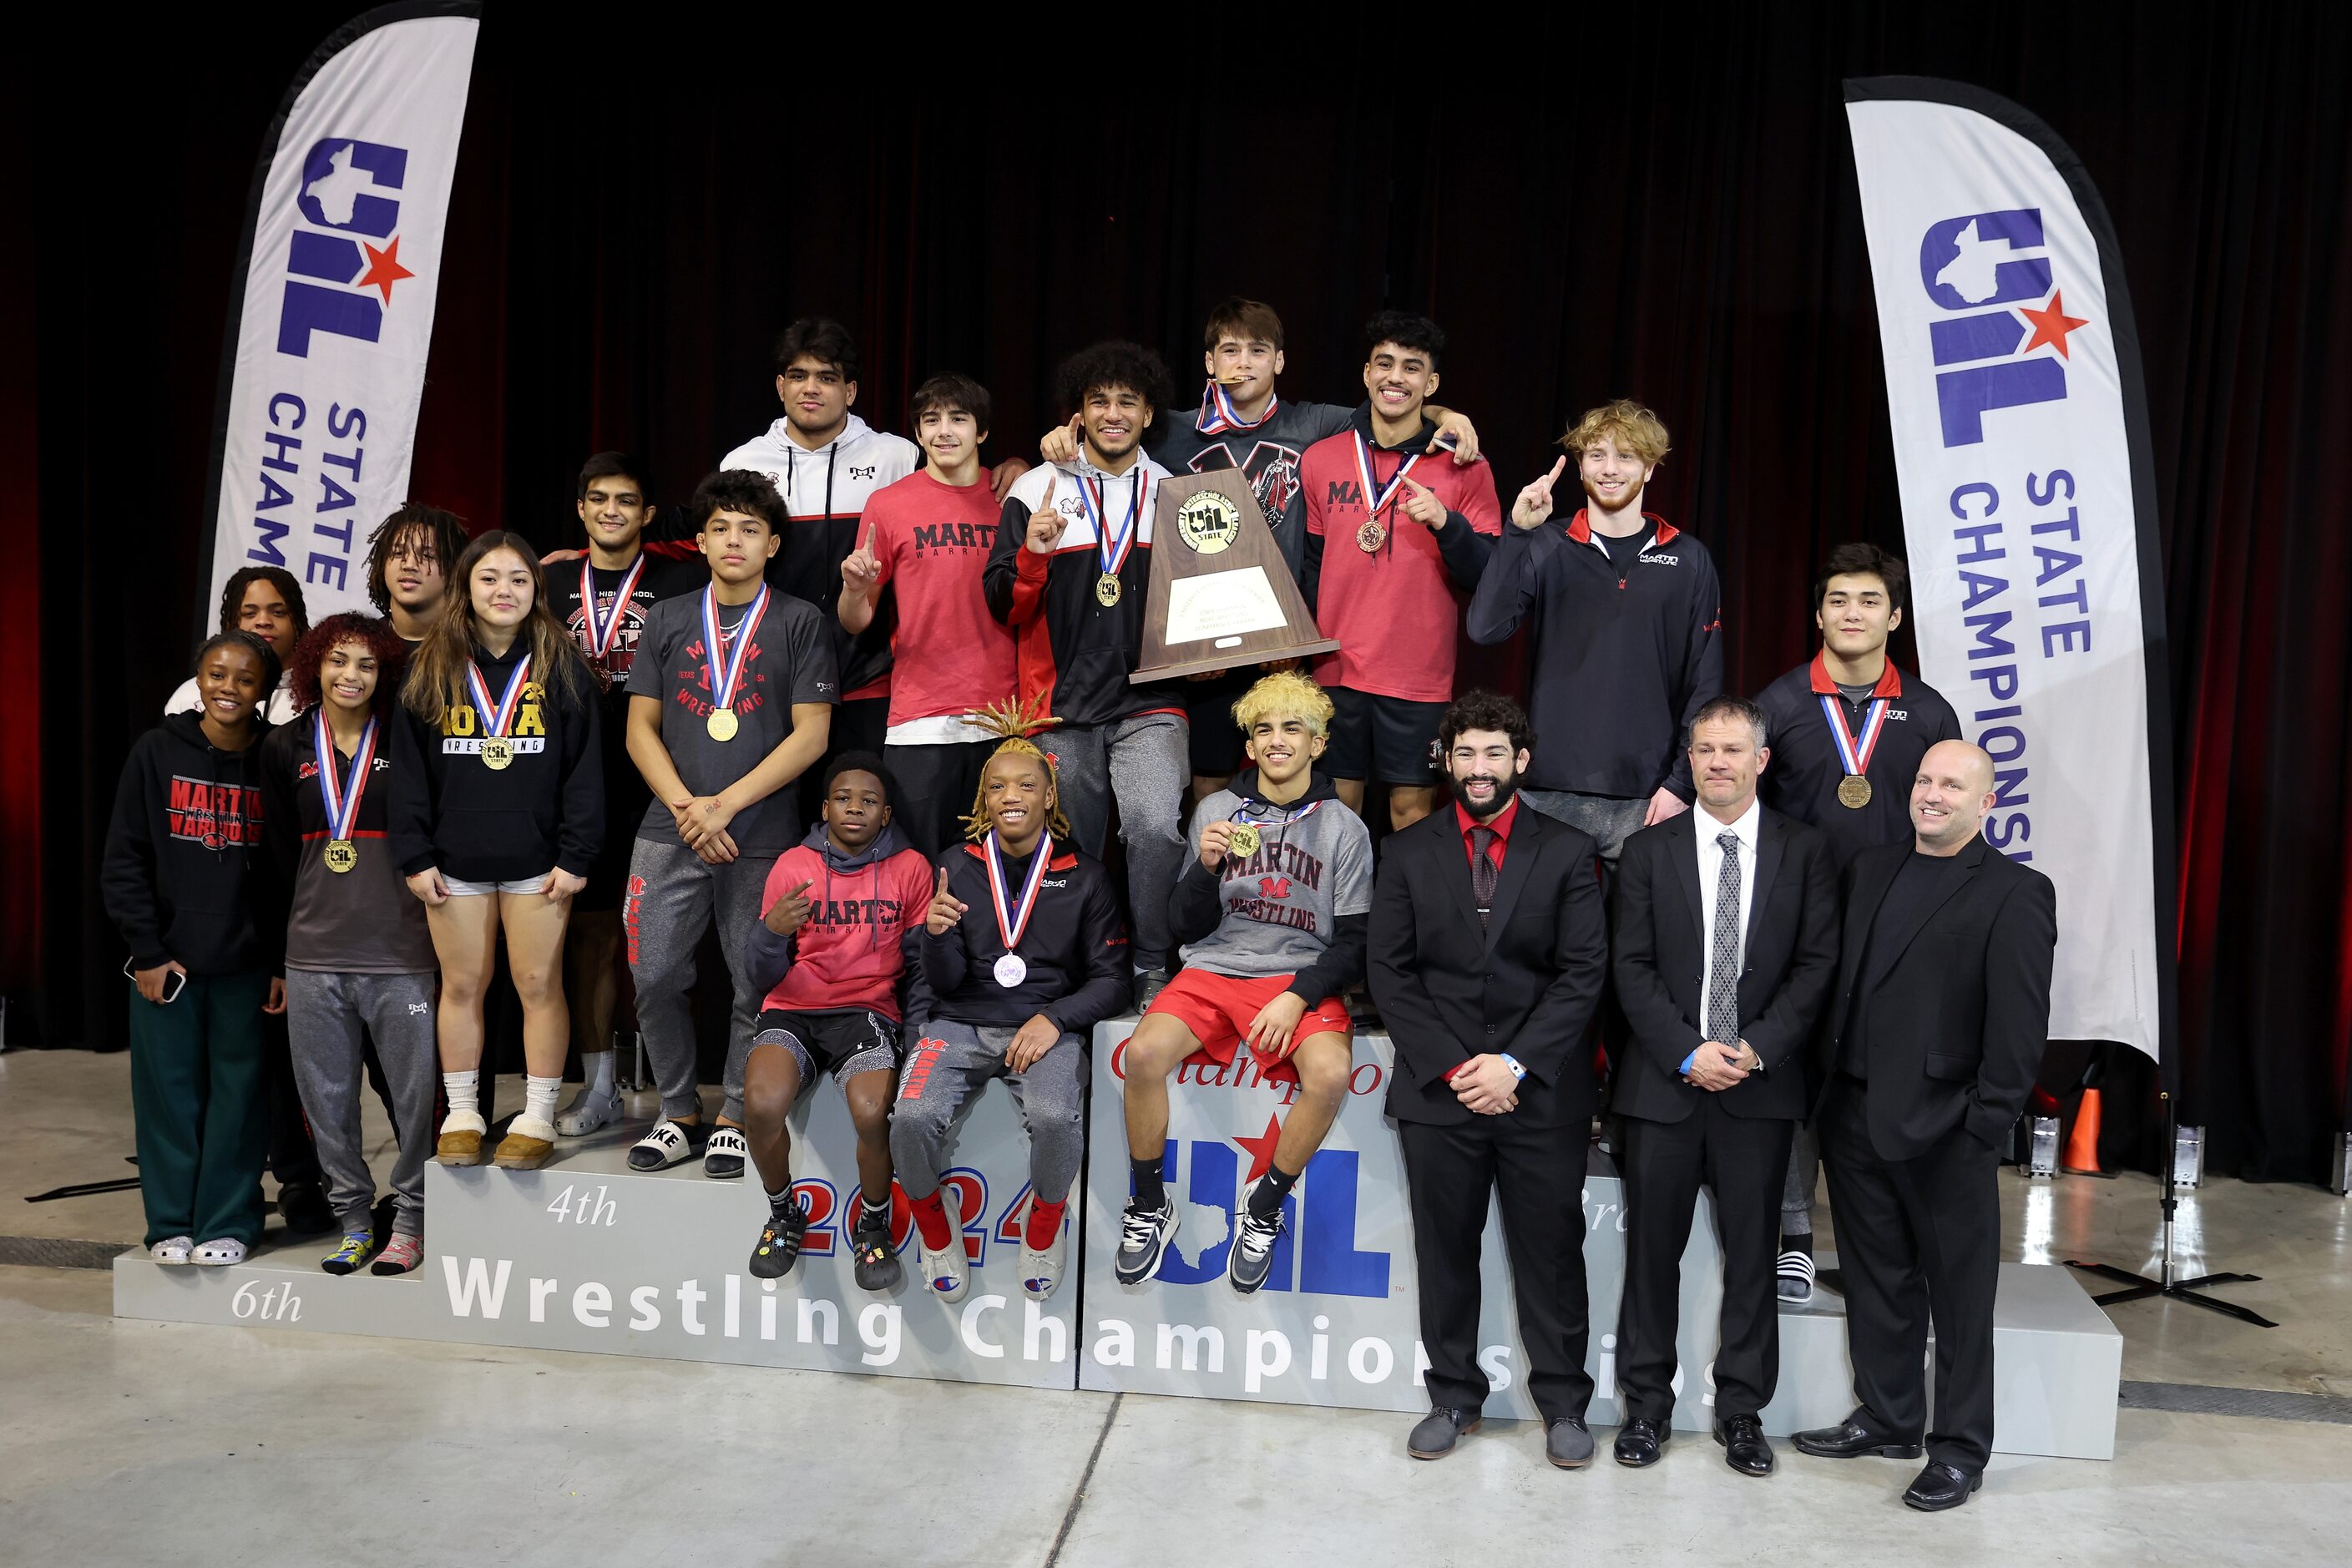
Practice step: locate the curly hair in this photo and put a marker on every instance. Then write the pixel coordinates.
(232, 603)
(444, 538)
(1118, 363)
(746, 490)
(1486, 711)
(1633, 428)
(976, 825)
(1407, 331)
(370, 632)
(1285, 694)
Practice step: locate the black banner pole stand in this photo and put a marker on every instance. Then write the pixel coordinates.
(2171, 1288)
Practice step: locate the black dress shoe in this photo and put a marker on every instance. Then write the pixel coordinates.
(1941, 1486)
(1851, 1439)
(304, 1209)
(1641, 1444)
(1435, 1434)
(1744, 1446)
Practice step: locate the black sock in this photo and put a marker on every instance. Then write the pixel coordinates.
(873, 1213)
(1150, 1189)
(780, 1205)
(1803, 1243)
(1267, 1201)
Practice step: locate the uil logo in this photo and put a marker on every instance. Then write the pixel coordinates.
(337, 280)
(1209, 521)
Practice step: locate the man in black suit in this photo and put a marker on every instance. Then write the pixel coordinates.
(1935, 1031)
(1487, 948)
(1726, 945)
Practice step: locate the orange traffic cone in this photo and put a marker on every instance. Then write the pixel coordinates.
(2082, 1157)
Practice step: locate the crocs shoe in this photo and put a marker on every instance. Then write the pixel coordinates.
(219, 1253)
(588, 1112)
(944, 1270)
(668, 1143)
(172, 1250)
(723, 1156)
(874, 1260)
(401, 1255)
(779, 1241)
(347, 1258)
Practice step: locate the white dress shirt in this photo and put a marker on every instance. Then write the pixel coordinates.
(1710, 870)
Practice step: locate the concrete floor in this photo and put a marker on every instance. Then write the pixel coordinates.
(136, 1442)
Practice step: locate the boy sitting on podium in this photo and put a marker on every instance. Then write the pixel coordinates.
(1273, 909)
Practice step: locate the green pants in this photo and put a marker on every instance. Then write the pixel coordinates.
(203, 1108)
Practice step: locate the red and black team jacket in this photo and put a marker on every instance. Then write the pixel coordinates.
(1074, 947)
(1071, 649)
(1807, 769)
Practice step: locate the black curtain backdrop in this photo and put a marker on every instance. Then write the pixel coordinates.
(1659, 203)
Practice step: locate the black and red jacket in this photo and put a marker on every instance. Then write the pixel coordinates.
(1622, 653)
(1072, 650)
(1075, 945)
(1802, 778)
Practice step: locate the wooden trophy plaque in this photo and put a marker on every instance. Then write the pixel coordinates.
(1221, 596)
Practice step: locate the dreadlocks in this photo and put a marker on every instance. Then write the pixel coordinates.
(1016, 722)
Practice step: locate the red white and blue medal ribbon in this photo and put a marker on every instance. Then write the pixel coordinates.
(1218, 413)
(725, 670)
(600, 638)
(1013, 920)
(342, 802)
(1112, 549)
(498, 717)
(1854, 751)
(1377, 501)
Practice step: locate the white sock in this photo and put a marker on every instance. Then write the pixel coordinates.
(596, 1067)
(538, 1097)
(463, 1089)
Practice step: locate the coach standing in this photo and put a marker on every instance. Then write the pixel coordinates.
(1726, 945)
(1488, 947)
(1936, 1032)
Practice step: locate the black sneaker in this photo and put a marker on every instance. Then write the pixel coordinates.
(1143, 1235)
(1252, 1257)
(1149, 984)
(780, 1242)
(874, 1260)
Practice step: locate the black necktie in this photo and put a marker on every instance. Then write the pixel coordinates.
(1482, 871)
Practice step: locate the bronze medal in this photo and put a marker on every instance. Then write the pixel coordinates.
(1243, 841)
(1371, 535)
(498, 753)
(340, 856)
(1854, 792)
(721, 724)
(1107, 590)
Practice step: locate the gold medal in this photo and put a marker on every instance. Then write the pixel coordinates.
(1243, 841)
(340, 856)
(1854, 792)
(1107, 590)
(721, 724)
(1372, 536)
(498, 753)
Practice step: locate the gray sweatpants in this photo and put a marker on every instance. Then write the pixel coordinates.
(324, 1011)
(948, 1064)
(673, 896)
(1609, 819)
(1804, 1171)
(1144, 763)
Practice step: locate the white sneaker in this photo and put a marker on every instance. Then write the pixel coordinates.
(170, 1249)
(943, 1271)
(1041, 1268)
(588, 1112)
(215, 1254)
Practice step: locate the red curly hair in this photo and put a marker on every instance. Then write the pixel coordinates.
(375, 635)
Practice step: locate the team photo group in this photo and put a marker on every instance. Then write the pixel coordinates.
(862, 712)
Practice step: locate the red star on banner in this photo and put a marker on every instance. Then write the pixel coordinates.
(383, 268)
(1261, 1148)
(2051, 325)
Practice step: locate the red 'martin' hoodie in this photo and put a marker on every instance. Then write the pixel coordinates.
(860, 943)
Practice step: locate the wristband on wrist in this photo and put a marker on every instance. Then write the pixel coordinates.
(1512, 1062)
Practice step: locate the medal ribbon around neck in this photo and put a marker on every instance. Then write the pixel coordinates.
(600, 638)
(1011, 927)
(498, 717)
(725, 672)
(342, 803)
(1377, 501)
(1113, 551)
(1218, 413)
(1855, 753)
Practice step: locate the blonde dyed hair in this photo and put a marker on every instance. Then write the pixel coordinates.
(1285, 694)
(1632, 427)
(1017, 721)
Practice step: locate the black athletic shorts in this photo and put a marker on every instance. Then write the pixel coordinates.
(842, 1041)
(1209, 708)
(1385, 739)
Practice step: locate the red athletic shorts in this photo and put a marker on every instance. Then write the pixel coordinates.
(1218, 1008)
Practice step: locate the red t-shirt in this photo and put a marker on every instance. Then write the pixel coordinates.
(950, 656)
(1396, 612)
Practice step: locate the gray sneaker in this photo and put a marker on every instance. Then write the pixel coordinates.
(1252, 1257)
(1149, 983)
(1143, 1235)
(1569, 1444)
(1435, 1435)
